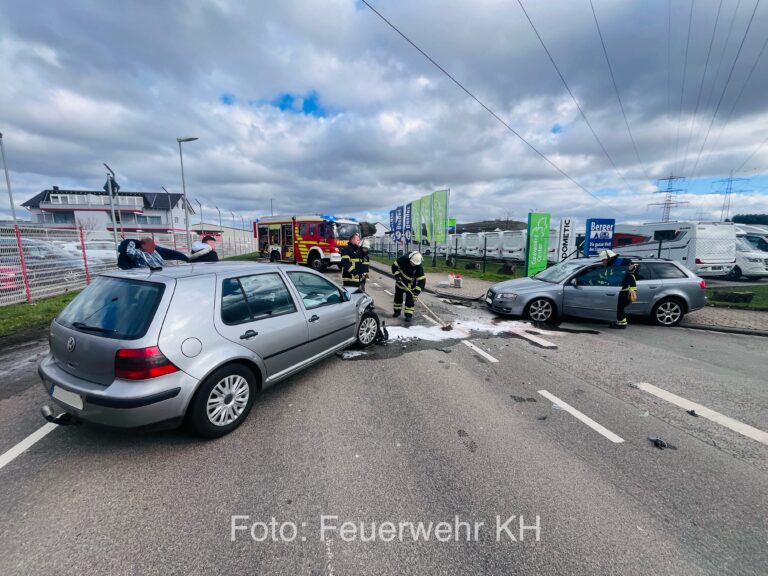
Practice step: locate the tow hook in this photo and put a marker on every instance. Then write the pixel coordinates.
(63, 419)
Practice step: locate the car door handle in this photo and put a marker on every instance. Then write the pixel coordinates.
(314, 318)
(248, 334)
(653, 287)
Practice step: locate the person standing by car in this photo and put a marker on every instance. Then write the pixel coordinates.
(204, 251)
(628, 292)
(410, 281)
(351, 259)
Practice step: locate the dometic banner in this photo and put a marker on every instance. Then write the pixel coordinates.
(538, 243)
(408, 224)
(399, 223)
(566, 243)
(439, 216)
(392, 223)
(599, 235)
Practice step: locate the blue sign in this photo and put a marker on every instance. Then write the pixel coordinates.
(392, 222)
(408, 223)
(599, 235)
(399, 223)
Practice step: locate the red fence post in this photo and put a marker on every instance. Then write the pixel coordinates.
(85, 257)
(24, 274)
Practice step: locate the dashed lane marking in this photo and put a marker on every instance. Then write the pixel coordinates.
(27, 443)
(388, 292)
(704, 412)
(599, 428)
(480, 351)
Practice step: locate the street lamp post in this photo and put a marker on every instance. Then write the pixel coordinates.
(110, 177)
(184, 185)
(170, 209)
(7, 180)
(201, 215)
(234, 230)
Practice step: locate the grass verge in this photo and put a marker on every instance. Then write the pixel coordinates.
(491, 268)
(249, 257)
(19, 321)
(759, 297)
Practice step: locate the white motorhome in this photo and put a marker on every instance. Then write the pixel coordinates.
(513, 245)
(473, 245)
(751, 252)
(705, 248)
(492, 244)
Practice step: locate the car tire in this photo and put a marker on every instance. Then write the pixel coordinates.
(668, 312)
(734, 274)
(541, 310)
(231, 388)
(71, 277)
(367, 329)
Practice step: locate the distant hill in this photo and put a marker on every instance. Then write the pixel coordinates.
(490, 225)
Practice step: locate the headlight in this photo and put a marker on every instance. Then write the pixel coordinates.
(506, 296)
(754, 259)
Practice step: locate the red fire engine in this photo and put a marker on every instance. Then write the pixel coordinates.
(313, 239)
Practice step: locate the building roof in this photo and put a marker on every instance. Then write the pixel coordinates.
(154, 200)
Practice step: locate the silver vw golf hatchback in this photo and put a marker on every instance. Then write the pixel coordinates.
(196, 343)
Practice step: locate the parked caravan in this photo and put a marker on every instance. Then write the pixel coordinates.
(492, 244)
(705, 248)
(513, 245)
(751, 252)
(473, 245)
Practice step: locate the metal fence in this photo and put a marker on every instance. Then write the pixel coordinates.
(38, 262)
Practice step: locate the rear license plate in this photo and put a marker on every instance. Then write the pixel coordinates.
(488, 300)
(69, 398)
(717, 267)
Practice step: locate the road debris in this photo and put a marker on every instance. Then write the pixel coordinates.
(661, 444)
(692, 412)
(349, 354)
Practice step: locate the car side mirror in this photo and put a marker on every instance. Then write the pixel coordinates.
(346, 296)
(573, 282)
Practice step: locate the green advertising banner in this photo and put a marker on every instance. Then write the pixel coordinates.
(538, 243)
(439, 216)
(416, 221)
(426, 214)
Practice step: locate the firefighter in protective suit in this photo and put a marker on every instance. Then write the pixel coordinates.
(628, 292)
(409, 283)
(352, 262)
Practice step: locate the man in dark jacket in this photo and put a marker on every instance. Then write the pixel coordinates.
(204, 251)
(145, 253)
(351, 261)
(410, 281)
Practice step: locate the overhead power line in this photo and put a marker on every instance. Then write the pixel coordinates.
(576, 102)
(682, 86)
(488, 109)
(701, 85)
(616, 89)
(725, 88)
(755, 151)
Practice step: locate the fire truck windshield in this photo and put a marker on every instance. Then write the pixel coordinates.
(344, 231)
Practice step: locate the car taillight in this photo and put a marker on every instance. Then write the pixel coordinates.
(698, 260)
(703, 284)
(142, 363)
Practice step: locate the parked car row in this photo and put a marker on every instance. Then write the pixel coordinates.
(46, 265)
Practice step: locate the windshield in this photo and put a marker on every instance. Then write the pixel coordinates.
(560, 272)
(742, 245)
(344, 231)
(756, 242)
(114, 308)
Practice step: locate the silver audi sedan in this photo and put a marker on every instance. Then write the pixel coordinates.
(585, 288)
(194, 343)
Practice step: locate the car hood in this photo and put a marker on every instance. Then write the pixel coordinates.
(521, 285)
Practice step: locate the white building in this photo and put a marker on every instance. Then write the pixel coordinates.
(135, 212)
(381, 230)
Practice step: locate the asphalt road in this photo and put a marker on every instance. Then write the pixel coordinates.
(418, 432)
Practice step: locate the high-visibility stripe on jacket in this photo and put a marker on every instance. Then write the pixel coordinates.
(351, 259)
(408, 276)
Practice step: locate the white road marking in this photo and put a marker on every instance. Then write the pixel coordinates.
(435, 322)
(377, 284)
(27, 443)
(537, 340)
(480, 351)
(583, 417)
(704, 412)
(388, 292)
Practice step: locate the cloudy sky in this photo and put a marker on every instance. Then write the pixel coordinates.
(322, 107)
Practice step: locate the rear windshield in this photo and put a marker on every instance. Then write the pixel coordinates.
(114, 308)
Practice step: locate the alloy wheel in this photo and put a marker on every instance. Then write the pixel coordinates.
(540, 310)
(668, 313)
(227, 400)
(367, 331)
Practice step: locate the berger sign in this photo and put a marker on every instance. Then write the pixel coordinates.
(599, 235)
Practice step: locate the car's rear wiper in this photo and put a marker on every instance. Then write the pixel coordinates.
(81, 326)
